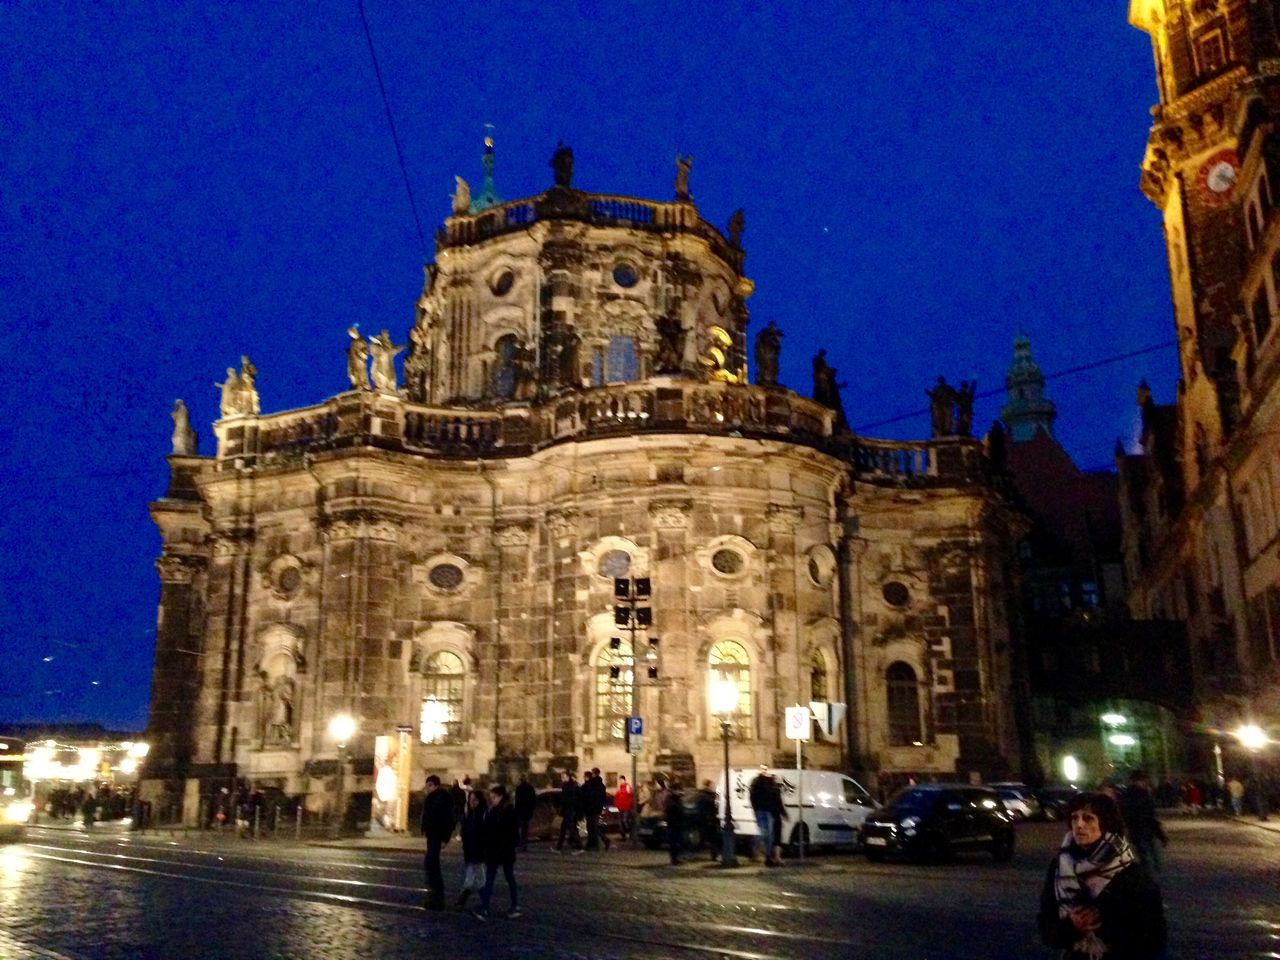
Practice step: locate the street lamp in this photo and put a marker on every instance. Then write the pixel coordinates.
(724, 703)
(1254, 739)
(341, 729)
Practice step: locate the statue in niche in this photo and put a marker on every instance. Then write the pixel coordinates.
(768, 349)
(567, 343)
(384, 361)
(417, 365)
(239, 395)
(185, 442)
(277, 709)
(683, 166)
(942, 403)
(670, 356)
(964, 407)
(461, 197)
(357, 359)
(562, 165)
(737, 223)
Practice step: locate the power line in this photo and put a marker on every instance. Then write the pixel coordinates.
(1051, 376)
(391, 123)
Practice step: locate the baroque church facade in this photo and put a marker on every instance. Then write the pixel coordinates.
(439, 556)
(1201, 502)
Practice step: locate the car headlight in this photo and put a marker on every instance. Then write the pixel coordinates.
(908, 822)
(19, 812)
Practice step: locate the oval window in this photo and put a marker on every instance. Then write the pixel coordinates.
(615, 563)
(290, 580)
(445, 576)
(624, 275)
(502, 283)
(727, 561)
(896, 594)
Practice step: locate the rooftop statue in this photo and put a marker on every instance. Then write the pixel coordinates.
(357, 359)
(461, 197)
(964, 407)
(417, 365)
(825, 388)
(185, 442)
(683, 165)
(384, 361)
(942, 404)
(239, 395)
(768, 349)
(562, 164)
(737, 223)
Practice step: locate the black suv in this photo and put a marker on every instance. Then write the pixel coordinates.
(932, 821)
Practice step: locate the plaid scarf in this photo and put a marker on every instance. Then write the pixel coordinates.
(1080, 880)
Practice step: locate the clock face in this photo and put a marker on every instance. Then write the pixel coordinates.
(1218, 176)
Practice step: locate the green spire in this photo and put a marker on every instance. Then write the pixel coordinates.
(1027, 411)
(488, 195)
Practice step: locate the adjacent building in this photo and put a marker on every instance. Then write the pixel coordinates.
(437, 554)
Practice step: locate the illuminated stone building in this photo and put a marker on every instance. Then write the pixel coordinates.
(440, 555)
(1201, 501)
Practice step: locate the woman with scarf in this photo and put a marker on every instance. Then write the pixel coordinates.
(1098, 903)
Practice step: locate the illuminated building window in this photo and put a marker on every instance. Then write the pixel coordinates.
(613, 691)
(1211, 52)
(728, 660)
(442, 680)
(621, 360)
(903, 696)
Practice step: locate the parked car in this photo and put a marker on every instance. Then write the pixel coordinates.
(545, 824)
(933, 821)
(651, 828)
(1053, 801)
(1019, 799)
(834, 806)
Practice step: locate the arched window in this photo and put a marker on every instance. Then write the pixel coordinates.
(621, 366)
(504, 366)
(818, 689)
(904, 705)
(613, 691)
(441, 717)
(728, 660)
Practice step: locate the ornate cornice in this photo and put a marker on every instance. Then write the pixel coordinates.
(512, 535)
(784, 518)
(361, 525)
(670, 514)
(562, 522)
(179, 567)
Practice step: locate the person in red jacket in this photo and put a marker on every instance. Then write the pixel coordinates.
(623, 800)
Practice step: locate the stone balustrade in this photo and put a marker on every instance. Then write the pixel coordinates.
(660, 405)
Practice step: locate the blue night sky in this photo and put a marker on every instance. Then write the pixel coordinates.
(182, 184)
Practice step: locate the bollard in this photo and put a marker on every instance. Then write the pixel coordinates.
(297, 833)
(275, 820)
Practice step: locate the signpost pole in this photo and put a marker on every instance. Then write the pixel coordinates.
(800, 795)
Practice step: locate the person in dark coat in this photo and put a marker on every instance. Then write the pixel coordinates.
(674, 812)
(437, 827)
(501, 838)
(570, 810)
(708, 817)
(1097, 900)
(594, 799)
(526, 803)
(471, 828)
(1142, 826)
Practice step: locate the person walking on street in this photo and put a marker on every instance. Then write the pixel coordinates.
(501, 838)
(708, 818)
(674, 810)
(570, 807)
(526, 802)
(594, 798)
(437, 827)
(1235, 789)
(473, 848)
(1097, 902)
(1142, 826)
(761, 795)
(623, 799)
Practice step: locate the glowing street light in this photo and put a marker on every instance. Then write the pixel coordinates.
(342, 727)
(1252, 737)
(1114, 719)
(724, 703)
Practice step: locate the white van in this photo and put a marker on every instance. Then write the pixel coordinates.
(834, 806)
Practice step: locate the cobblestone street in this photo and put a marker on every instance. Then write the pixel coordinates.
(67, 894)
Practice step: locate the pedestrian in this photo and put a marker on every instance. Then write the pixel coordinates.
(473, 845)
(1235, 790)
(623, 799)
(1097, 902)
(437, 827)
(761, 795)
(708, 817)
(570, 810)
(674, 811)
(458, 794)
(1142, 826)
(501, 838)
(526, 802)
(594, 797)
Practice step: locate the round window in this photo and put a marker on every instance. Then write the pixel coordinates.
(445, 576)
(822, 565)
(615, 563)
(624, 275)
(290, 580)
(501, 284)
(727, 561)
(896, 594)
